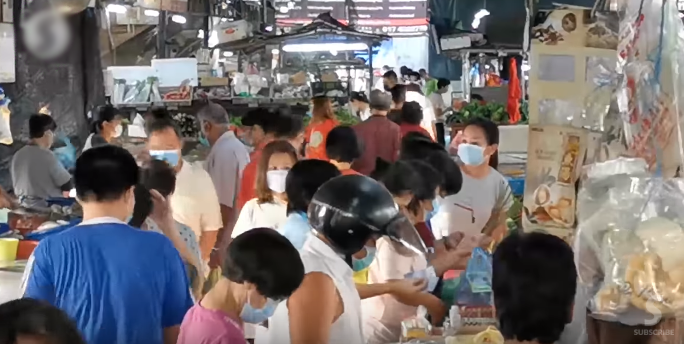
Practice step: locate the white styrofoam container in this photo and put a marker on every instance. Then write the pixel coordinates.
(233, 31)
(172, 72)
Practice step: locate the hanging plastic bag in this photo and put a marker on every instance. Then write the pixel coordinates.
(5, 133)
(65, 154)
(476, 286)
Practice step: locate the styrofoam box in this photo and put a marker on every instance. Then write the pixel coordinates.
(125, 72)
(172, 72)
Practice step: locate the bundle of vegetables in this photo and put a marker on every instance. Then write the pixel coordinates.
(492, 111)
(187, 124)
(345, 117)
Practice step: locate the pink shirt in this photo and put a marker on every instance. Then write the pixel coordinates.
(382, 315)
(206, 326)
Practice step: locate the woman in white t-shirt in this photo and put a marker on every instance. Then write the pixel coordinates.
(105, 126)
(481, 206)
(269, 209)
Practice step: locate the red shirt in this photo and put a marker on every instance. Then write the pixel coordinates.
(381, 138)
(425, 234)
(349, 172)
(408, 128)
(315, 135)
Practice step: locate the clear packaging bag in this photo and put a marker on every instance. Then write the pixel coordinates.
(629, 256)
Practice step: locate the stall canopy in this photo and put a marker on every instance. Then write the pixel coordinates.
(323, 25)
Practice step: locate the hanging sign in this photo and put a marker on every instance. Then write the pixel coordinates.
(394, 17)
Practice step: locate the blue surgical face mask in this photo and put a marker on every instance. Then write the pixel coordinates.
(203, 141)
(471, 154)
(253, 315)
(435, 209)
(365, 262)
(172, 157)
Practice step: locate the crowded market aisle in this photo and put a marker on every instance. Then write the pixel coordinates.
(397, 239)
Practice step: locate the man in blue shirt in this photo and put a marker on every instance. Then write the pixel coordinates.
(121, 285)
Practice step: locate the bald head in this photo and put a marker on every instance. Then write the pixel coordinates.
(214, 114)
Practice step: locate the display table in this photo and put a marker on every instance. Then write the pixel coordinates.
(10, 285)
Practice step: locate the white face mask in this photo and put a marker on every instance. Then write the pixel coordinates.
(276, 180)
(118, 130)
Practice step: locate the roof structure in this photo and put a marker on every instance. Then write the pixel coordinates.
(324, 24)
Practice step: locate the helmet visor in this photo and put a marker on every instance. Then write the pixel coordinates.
(403, 232)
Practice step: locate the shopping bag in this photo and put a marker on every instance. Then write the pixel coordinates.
(475, 288)
(65, 154)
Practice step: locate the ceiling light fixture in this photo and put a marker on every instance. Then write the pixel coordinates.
(478, 16)
(309, 47)
(151, 13)
(176, 18)
(115, 8)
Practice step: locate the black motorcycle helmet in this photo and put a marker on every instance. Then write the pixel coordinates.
(350, 210)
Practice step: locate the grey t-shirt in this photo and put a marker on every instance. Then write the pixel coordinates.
(36, 172)
(469, 210)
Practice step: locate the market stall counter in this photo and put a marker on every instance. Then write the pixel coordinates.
(10, 280)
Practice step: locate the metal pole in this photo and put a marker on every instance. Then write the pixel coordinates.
(370, 68)
(265, 14)
(207, 20)
(161, 35)
(465, 77)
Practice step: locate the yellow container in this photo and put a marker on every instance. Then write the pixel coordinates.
(8, 249)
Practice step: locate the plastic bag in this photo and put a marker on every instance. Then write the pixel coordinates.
(65, 154)
(476, 286)
(5, 133)
(630, 260)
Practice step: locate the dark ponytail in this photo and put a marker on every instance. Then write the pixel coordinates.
(101, 114)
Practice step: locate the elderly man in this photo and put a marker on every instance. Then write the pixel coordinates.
(194, 203)
(225, 163)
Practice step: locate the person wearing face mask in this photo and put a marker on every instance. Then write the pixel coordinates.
(118, 283)
(157, 184)
(264, 126)
(269, 208)
(414, 185)
(261, 270)
(36, 172)
(194, 201)
(105, 127)
(415, 146)
(302, 181)
(346, 214)
(480, 207)
(225, 163)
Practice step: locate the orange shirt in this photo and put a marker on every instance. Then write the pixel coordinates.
(248, 181)
(408, 128)
(315, 135)
(349, 172)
